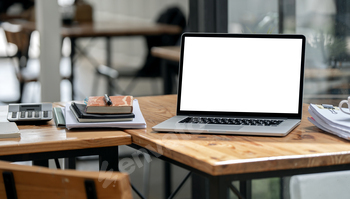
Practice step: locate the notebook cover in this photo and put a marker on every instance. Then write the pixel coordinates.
(9, 130)
(80, 111)
(120, 104)
(58, 117)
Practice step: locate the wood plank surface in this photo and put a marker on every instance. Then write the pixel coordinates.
(305, 147)
(47, 137)
(116, 27)
(167, 52)
(322, 73)
(39, 182)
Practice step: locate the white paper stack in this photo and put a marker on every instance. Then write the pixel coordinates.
(137, 122)
(330, 120)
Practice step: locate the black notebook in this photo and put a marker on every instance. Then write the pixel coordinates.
(80, 114)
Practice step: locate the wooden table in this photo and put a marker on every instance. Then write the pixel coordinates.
(169, 56)
(220, 159)
(171, 53)
(46, 141)
(106, 29)
(116, 28)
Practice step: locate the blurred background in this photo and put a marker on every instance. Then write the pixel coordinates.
(326, 27)
(325, 24)
(327, 68)
(127, 55)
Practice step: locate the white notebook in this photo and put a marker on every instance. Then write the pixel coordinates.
(9, 130)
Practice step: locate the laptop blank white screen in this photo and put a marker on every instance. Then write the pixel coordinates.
(255, 75)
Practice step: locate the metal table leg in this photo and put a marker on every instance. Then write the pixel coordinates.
(108, 159)
(245, 188)
(43, 163)
(167, 179)
(72, 54)
(109, 64)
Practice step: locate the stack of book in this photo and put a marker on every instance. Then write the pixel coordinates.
(96, 114)
(104, 109)
(330, 119)
(121, 112)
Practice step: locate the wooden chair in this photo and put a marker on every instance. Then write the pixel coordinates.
(27, 70)
(151, 67)
(16, 36)
(20, 181)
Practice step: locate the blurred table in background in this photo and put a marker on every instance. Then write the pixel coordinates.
(168, 54)
(105, 29)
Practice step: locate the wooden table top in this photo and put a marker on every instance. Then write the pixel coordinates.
(167, 52)
(109, 28)
(305, 147)
(47, 137)
(322, 73)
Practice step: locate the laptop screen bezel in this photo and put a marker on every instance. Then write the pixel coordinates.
(242, 114)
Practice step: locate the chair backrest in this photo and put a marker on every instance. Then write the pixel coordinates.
(171, 16)
(83, 11)
(20, 181)
(15, 35)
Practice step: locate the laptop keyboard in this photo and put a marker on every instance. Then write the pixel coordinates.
(231, 121)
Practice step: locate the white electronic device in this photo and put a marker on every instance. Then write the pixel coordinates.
(29, 112)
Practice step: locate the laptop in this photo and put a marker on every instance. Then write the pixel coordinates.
(248, 84)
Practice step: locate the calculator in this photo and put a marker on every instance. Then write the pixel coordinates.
(29, 112)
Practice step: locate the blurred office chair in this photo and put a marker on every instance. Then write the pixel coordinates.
(21, 181)
(27, 70)
(15, 36)
(108, 72)
(152, 65)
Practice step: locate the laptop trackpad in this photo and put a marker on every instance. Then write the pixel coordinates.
(223, 128)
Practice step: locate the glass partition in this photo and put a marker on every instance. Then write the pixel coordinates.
(326, 26)
(252, 16)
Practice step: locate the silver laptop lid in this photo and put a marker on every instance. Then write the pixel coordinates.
(258, 75)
